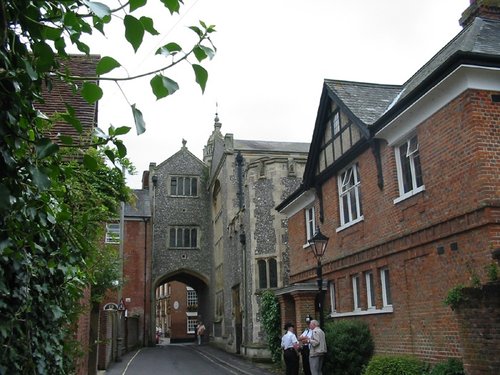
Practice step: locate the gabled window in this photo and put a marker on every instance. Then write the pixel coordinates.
(310, 223)
(409, 169)
(356, 293)
(182, 186)
(113, 233)
(370, 290)
(386, 287)
(268, 273)
(350, 196)
(183, 237)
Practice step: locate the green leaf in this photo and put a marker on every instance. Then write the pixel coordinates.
(122, 130)
(91, 92)
(99, 9)
(147, 23)
(45, 58)
(122, 150)
(199, 53)
(90, 162)
(197, 30)
(163, 86)
(208, 51)
(51, 33)
(110, 155)
(40, 179)
(82, 47)
(135, 4)
(4, 197)
(140, 125)
(65, 139)
(29, 69)
(134, 31)
(201, 76)
(169, 49)
(172, 5)
(106, 64)
(45, 148)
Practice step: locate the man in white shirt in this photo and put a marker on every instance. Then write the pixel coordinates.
(304, 351)
(290, 345)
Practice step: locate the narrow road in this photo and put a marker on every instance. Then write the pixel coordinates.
(184, 360)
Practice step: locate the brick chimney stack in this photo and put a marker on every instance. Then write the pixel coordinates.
(489, 9)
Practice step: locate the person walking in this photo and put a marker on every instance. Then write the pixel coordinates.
(304, 350)
(290, 346)
(317, 348)
(200, 330)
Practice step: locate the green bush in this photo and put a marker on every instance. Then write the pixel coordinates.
(350, 347)
(395, 365)
(452, 366)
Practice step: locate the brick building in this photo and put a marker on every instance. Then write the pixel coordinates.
(405, 182)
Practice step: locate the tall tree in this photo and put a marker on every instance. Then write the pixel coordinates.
(54, 192)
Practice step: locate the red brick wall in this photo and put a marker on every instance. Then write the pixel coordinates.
(82, 334)
(479, 323)
(178, 328)
(460, 154)
(137, 260)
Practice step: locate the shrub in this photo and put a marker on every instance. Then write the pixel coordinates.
(395, 365)
(452, 366)
(350, 347)
(270, 315)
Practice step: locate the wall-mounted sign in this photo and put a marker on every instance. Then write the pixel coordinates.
(176, 305)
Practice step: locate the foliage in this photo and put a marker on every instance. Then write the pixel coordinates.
(492, 272)
(452, 366)
(270, 315)
(395, 365)
(455, 296)
(350, 347)
(54, 197)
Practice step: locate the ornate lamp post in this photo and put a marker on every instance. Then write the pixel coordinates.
(318, 243)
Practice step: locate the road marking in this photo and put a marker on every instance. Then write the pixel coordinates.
(129, 362)
(226, 366)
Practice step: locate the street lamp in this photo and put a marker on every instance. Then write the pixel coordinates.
(318, 243)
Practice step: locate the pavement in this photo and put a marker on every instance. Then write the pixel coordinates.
(236, 362)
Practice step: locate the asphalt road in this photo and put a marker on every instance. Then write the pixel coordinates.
(184, 360)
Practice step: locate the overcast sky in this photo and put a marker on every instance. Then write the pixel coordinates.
(272, 57)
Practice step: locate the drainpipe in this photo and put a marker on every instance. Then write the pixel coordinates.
(145, 278)
(239, 165)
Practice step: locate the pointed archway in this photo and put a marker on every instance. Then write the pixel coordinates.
(180, 299)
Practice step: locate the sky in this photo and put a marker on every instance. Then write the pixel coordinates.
(266, 78)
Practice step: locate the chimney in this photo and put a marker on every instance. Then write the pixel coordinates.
(488, 9)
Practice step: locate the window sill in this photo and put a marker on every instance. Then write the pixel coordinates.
(409, 194)
(350, 224)
(184, 248)
(385, 310)
(191, 313)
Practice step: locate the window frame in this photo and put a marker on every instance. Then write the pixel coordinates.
(370, 290)
(412, 156)
(177, 180)
(355, 189)
(113, 236)
(180, 232)
(333, 298)
(267, 262)
(386, 287)
(356, 292)
(191, 318)
(310, 218)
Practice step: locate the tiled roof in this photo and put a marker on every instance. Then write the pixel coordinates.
(481, 37)
(248, 145)
(369, 101)
(366, 101)
(77, 65)
(141, 207)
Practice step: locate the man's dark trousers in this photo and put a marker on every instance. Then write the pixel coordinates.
(305, 360)
(291, 361)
